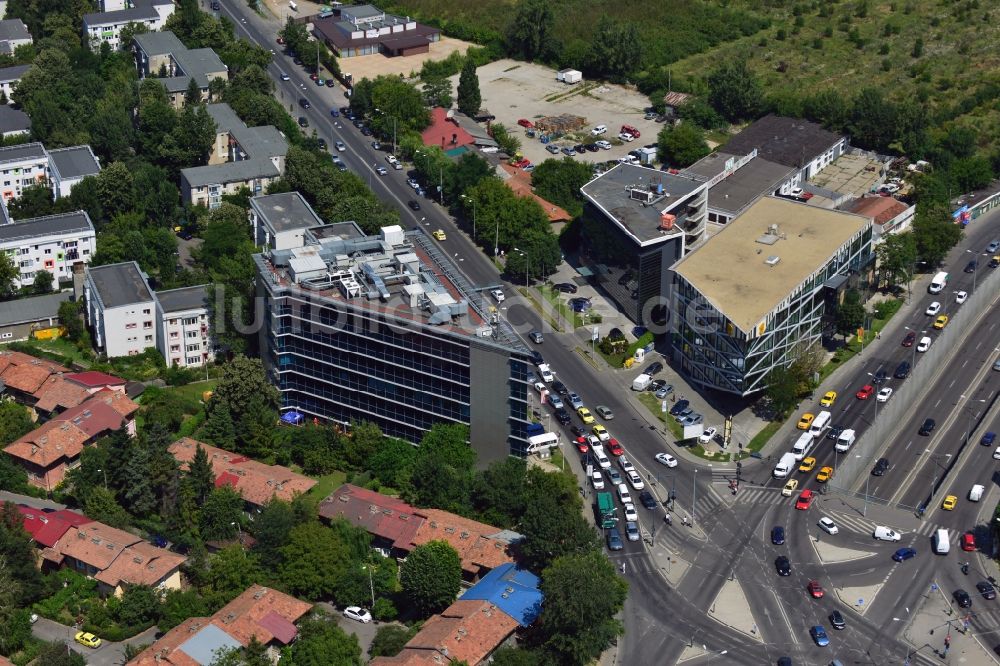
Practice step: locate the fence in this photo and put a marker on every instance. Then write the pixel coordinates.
(858, 460)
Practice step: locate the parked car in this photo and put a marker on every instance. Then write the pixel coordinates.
(565, 287)
(987, 590)
(358, 614)
(87, 639)
(552, 149)
(568, 151)
(707, 436)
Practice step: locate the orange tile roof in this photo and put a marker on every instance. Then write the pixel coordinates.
(95, 544)
(520, 182)
(49, 443)
(27, 373)
(117, 400)
(466, 631)
(245, 616)
(98, 414)
(256, 482)
(444, 132)
(473, 540)
(141, 564)
(59, 393)
(880, 209)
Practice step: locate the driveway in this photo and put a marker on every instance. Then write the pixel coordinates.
(364, 632)
(30, 501)
(109, 654)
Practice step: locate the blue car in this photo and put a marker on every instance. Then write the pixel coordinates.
(335, 113)
(988, 439)
(615, 539)
(818, 634)
(778, 535)
(904, 554)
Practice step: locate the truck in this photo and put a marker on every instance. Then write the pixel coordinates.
(642, 382)
(606, 510)
(545, 372)
(938, 283)
(784, 466)
(569, 76)
(628, 129)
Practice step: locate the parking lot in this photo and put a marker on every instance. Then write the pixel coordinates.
(514, 90)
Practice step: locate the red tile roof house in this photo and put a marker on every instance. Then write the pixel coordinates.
(50, 450)
(256, 482)
(115, 558)
(520, 181)
(260, 611)
(444, 132)
(399, 528)
(22, 375)
(47, 528)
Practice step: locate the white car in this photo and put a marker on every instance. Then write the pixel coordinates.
(933, 309)
(381, 170)
(884, 394)
(924, 344)
(597, 479)
(996, 454)
(666, 459)
(603, 145)
(707, 436)
(626, 137)
(357, 613)
(626, 464)
(391, 159)
(960, 296)
(498, 295)
(630, 513)
(599, 130)
(635, 480)
(886, 534)
(623, 494)
(827, 525)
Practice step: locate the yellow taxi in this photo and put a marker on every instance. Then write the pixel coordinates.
(805, 421)
(941, 322)
(601, 432)
(824, 474)
(807, 464)
(88, 639)
(949, 503)
(828, 399)
(790, 487)
(439, 235)
(585, 416)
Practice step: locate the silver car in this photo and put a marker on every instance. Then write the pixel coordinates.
(632, 530)
(575, 400)
(604, 412)
(692, 419)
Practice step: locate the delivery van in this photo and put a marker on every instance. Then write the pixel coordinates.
(941, 543)
(819, 424)
(845, 441)
(642, 382)
(802, 446)
(976, 493)
(938, 283)
(784, 466)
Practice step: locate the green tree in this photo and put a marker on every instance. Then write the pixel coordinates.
(139, 606)
(9, 273)
(242, 382)
(200, 476)
(389, 640)
(782, 390)
(35, 201)
(71, 317)
(315, 560)
(193, 93)
(734, 91)
(13, 477)
(515, 656)
(102, 506)
(682, 145)
(897, 255)
(59, 654)
(551, 531)
(616, 49)
(15, 422)
(431, 577)
(321, 642)
(116, 188)
(437, 91)
(396, 107)
(138, 492)
(221, 513)
(508, 143)
(231, 571)
(254, 654)
(559, 181)
(582, 596)
(529, 34)
(271, 529)
(218, 428)
(935, 233)
(873, 120)
(850, 313)
(179, 605)
(469, 97)
(18, 554)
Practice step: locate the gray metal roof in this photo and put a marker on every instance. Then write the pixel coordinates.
(12, 120)
(205, 645)
(159, 43)
(790, 141)
(28, 310)
(24, 151)
(198, 64)
(184, 298)
(75, 162)
(37, 227)
(230, 172)
(285, 211)
(259, 143)
(120, 284)
(136, 14)
(8, 74)
(13, 29)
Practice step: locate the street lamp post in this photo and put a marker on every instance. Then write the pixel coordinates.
(936, 465)
(99, 469)
(371, 584)
(527, 264)
(694, 494)
(474, 206)
(968, 408)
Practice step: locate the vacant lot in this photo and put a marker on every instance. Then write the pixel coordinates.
(370, 66)
(512, 90)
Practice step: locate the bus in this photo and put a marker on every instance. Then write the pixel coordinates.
(606, 510)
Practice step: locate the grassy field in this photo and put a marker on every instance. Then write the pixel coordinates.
(326, 485)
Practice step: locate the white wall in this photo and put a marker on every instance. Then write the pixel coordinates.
(56, 254)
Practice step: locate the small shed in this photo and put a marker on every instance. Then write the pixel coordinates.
(569, 76)
(647, 155)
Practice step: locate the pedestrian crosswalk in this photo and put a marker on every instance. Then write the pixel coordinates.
(850, 520)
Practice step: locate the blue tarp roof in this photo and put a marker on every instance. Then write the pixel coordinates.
(205, 645)
(293, 417)
(512, 590)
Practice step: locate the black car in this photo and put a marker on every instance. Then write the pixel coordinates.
(413, 204)
(902, 370)
(345, 110)
(881, 467)
(580, 148)
(880, 377)
(778, 535)
(321, 142)
(565, 287)
(560, 388)
(647, 500)
(331, 83)
(657, 384)
(304, 103)
(216, 6)
(971, 267)
(783, 566)
(837, 620)
(614, 539)
(562, 416)
(653, 368)
(679, 407)
(927, 427)
(577, 431)
(536, 357)
(303, 122)
(359, 123)
(834, 432)
(366, 131)
(579, 304)
(987, 590)
(962, 598)
(592, 147)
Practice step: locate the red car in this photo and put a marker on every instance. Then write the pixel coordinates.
(804, 500)
(615, 448)
(865, 392)
(524, 122)
(520, 164)
(909, 339)
(581, 444)
(281, 40)
(815, 589)
(968, 542)
(314, 76)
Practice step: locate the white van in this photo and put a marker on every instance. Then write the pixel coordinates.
(642, 382)
(938, 283)
(602, 459)
(784, 466)
(883, 533)
(819, 424)
(802, 446)
(845, 441)
(941, 543)
(291, 5)
(976, 493)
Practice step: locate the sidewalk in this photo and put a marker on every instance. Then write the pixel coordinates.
(937, 628)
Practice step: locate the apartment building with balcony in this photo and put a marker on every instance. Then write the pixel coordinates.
(52, 243)
(184, 335)
(384, 328)
(9, 77)
(162, 56)
(30, 164)
(105, 26)
(13, 33)
(120, 309)
(637, 222)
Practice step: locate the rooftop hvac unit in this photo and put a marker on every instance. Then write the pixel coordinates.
(773, 260)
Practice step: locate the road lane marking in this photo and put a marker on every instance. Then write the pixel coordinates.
(784, 616)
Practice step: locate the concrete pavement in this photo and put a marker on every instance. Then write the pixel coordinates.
(109, 654)
(30, 501)
(937, 621)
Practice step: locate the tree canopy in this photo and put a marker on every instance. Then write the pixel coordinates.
(431, 577)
